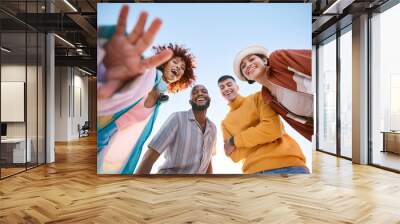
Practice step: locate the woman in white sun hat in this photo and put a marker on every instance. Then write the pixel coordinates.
(286, 79)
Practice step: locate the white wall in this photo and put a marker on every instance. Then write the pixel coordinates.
(70, 84)
(16, 73)
(61, 103)
(80, 89)
(33, 126)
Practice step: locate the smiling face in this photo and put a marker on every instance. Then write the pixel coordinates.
(253, 66)
(174, 69)
(199, 98)
(229, 89)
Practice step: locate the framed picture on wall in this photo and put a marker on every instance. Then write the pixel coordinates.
(204, 89)
(12, 101)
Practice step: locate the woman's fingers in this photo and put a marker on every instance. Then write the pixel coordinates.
(141, 40)
(147, 38)
(158, 59)
(136, 66)
(121, 25)
(137, 32)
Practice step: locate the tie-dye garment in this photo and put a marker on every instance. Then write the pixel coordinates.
(124, 123)
(120, 141)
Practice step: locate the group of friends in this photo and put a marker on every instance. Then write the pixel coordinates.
(131, 88)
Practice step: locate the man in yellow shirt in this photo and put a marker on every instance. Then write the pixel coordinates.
(253, 132)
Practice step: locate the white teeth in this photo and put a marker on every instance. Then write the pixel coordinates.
(201, 99)
(251, 68)
(174, 71)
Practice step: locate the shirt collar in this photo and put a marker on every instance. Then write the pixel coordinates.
(192, 118)
(236, 102)
(191, 115)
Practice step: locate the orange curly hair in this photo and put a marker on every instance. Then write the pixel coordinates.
(188, 76)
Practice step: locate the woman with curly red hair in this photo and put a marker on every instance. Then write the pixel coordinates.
(126, 118)
(179, 71)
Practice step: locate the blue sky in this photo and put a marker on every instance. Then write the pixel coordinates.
(215, 33)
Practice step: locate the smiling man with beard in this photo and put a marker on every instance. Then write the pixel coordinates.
(187, 139)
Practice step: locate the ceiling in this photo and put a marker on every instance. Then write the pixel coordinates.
(76, 20)
(332, 15)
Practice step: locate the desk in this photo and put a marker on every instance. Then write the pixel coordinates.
(16, 147)
(391, 141)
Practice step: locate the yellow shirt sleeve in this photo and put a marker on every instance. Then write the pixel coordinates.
(268, 130)
(235, 155)
(238, 154)
(225, 133)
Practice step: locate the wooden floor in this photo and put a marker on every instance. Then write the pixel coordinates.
(70, 191)
(10, 171)
(5, 172)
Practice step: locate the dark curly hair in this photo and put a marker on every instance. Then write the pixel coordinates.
(188, 76)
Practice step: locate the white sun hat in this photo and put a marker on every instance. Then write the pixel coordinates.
(254, 49)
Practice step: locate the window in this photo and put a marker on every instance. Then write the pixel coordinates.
(23, 89)
(346, 92)
(327, 96)
(385, 89)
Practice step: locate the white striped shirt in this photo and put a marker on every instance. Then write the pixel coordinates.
(187, 150)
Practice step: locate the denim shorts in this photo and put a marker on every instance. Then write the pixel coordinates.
(287, 170)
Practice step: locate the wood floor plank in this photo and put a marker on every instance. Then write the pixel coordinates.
(70, 191)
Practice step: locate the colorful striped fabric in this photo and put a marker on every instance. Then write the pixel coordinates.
(120, 142)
